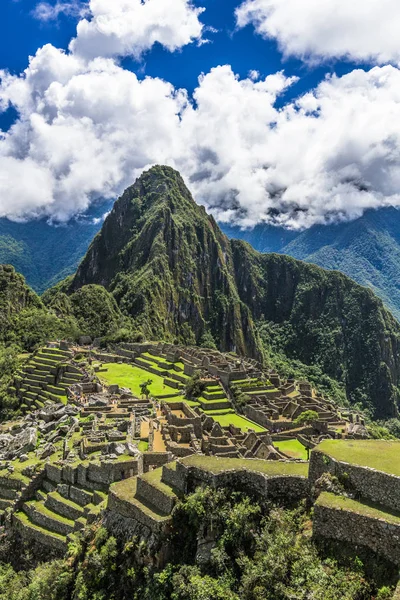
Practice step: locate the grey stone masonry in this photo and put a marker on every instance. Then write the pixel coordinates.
(348, 526)
(373, 485)
(155, 496)
(39, 536)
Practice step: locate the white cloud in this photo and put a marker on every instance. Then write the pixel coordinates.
(131, 27)
(359, 30)
(44, 11)
(87, 129)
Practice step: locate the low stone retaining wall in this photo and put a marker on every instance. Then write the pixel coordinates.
(377, 535)
(155, 460)
(373, 485)
(129, 510)
(35, 535)
(273, 487)
(11, 484)
(63, 508)
(154, 496)
(277, 488)
(172, 478)
(47, 522)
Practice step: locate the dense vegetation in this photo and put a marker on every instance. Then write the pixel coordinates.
(46, 253)
(249, 554)
(367, 249)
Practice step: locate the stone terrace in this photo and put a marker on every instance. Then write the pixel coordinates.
(370, 513)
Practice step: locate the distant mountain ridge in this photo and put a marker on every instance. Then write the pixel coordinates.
(45, 253)
(177, 277)
(367, 249)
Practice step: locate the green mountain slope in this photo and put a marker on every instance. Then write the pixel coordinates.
(169, 266)
(45, 253)
(367, 250)
(176, 275)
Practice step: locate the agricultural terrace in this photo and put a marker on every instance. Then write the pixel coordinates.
(128, 376)
(366, 509)
(381, 455)
(292, 448)
(215, 464)
(236, 420)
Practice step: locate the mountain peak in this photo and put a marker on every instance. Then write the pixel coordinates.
(173, 272)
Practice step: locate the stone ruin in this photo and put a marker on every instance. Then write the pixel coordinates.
(188, 431)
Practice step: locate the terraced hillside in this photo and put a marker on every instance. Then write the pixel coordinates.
(169, 375)
(59, 509)
(46, 376)
(146, 502)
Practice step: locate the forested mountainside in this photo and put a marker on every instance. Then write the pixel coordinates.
(367, 249)
(176, 276)
(45, 253)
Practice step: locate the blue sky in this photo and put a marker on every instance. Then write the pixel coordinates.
(22, 35)
(251, 177)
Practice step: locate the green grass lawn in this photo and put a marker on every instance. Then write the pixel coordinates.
(292, 448)
(215, 464)
(377, 454)
(362, 508)
(237, 421)
(131, 377)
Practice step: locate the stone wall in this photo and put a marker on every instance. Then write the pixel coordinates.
(187, 478)
(35, 535)
(95, 475)
(370, 484)
(155, 459)
(152, 495)
(377, 535)
(129, 510)
(46, 522)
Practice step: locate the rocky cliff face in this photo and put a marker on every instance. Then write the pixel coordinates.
(322, 317)
(169, 266)
(177, 276)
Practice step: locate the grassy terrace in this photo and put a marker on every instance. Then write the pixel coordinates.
(236, 420)
(292, 448)
(218, 465)
(131, 377)
(21, 516)
(377, 454)
(126, 490)
(373, 511)
(154, 479)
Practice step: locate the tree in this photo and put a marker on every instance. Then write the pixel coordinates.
(195, 386)
(306, 418)
(144, 388)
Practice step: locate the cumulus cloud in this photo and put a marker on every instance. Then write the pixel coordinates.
(87, 128)
(131, 27)
(321, 29)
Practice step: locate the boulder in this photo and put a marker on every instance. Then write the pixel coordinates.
(22, 443)
(132, 449)
(48, 450)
